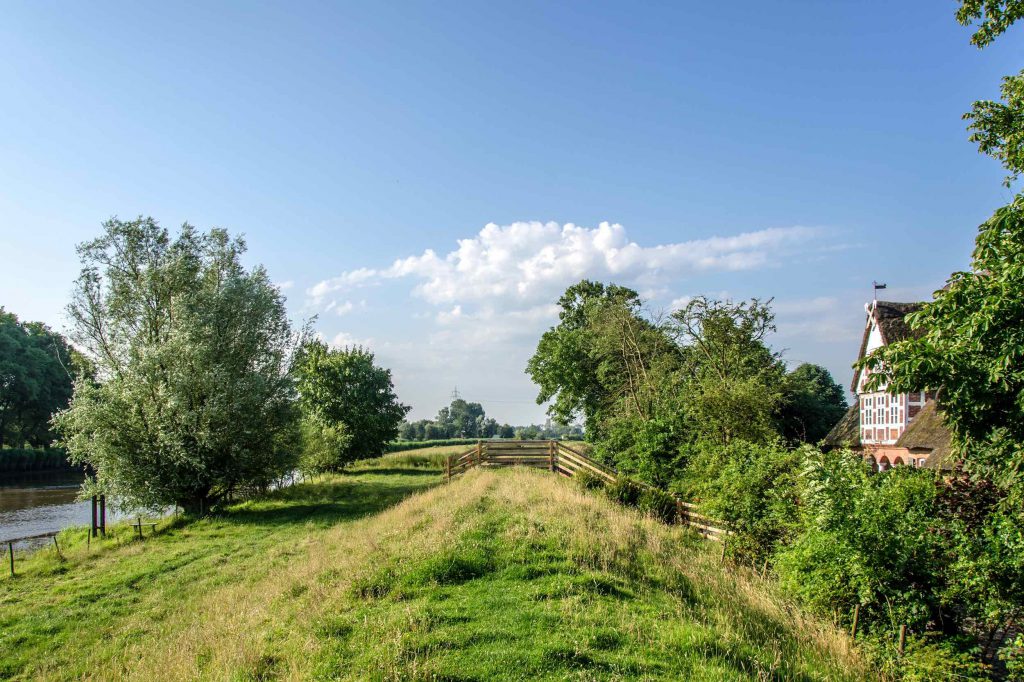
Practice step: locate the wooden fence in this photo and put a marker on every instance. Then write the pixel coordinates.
(565, 460)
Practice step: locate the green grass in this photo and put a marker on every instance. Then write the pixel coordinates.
(432, 456)
(382, 574)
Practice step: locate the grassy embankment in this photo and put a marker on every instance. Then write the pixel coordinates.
(509, 574)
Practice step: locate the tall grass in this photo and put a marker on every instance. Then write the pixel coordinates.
(510, 574)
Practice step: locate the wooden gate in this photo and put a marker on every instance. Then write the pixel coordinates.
(563, 459)
(553, 455)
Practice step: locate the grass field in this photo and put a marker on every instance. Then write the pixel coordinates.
(383, 574)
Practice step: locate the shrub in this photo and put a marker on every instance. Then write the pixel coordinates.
(1012, 654)
(324, 446)
(659, 504)
(589, 481)
(751, 487)
(32, 459)
(625, 491)
(933, 658)
(868, 540)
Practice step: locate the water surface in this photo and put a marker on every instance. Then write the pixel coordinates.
(41, 502)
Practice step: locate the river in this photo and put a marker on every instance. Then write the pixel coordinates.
(35, 503)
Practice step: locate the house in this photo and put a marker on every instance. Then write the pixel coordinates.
(891, 429)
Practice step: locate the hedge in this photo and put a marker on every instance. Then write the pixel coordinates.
(31, 459)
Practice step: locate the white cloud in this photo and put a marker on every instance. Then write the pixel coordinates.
(490, 298)
(285, 286)
(343, 339)
(530, 262)
(345, 281)
(679, 303)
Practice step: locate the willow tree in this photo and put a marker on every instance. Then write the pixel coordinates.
(192, 399)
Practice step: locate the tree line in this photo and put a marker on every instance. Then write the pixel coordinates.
(37, 372)
(462, 419)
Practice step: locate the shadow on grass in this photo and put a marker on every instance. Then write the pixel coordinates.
(331, 502)
(395, 471)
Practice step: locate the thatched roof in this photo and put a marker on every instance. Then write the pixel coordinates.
(889, 316)
(927, 433)
(846, 432)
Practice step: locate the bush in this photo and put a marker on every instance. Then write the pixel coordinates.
(32, 459)
(751, 487)
(625, 491)
(868, 540)
(1012, 654)
(659, 504)
(933, 658)
(588, 480)
(325, 447)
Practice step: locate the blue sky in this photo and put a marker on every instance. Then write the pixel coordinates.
(798, 154)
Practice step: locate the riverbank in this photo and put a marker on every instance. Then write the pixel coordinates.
(500, 575)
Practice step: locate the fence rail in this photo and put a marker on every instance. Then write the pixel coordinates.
(564, 460)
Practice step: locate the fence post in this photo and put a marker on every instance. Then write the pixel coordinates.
(479, 453)
(140, 527)
(551, 456)
(856, 619)
(10, 549)
(903, 639)
(57, 547)
(103, 515)
(94, 516)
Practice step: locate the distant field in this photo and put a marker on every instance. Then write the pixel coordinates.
(383, 574)
(430, 456)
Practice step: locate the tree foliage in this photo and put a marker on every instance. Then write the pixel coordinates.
(811, 404)
(731, 380)
(192, 354)
(37, 369)
(347, 397)
(993, 17)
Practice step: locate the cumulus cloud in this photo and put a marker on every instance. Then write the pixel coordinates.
(340, 309)
(529, 262)
(479, 308)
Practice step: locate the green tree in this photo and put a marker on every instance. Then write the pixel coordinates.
(970, 348)
(567, 367)
(811, 404)
(461, 419)
(192, 354)
(993, 17)
(36, 375)
(344, 389)
(324, 446)
(731, 383)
